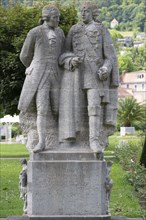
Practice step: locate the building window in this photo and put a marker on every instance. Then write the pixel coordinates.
(135, 87)
(140, 76)
(142, 86)
(127, 86)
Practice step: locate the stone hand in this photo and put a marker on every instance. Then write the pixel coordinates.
(75, 62)
(103, 73)
(28, 70)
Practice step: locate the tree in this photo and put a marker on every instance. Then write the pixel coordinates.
(125, 63)
(115, 35)
(130, 112)
(133, 59)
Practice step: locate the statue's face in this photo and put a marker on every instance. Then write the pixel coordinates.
(86, 14)
(53, 21)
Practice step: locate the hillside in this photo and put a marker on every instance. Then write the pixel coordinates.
(129, 13)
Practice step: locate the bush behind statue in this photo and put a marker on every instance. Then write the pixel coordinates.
(128, 155)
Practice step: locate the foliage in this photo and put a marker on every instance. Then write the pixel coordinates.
(127, 153)
(115, 35)
(123, 201)
(16, 130)
(115, 139)
(129, 13)
(132, 59)
(128, 156)
(15, 22)
(125, 64)
(130, 112)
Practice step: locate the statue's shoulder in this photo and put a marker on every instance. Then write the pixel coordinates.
(35, 30)
(77, 27)
(102, 29)
(99, 25)
(60, 31)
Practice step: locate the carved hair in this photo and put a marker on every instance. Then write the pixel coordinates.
(47, 11)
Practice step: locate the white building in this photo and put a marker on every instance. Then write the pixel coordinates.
(114, 23)
(135, 83)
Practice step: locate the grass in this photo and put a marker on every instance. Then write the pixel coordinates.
(123, 200)
(19, 150)
(126, 33)
(114, 140)
(10, 203)
(13, 150)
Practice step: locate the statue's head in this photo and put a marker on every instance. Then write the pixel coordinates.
(50, 14)
(89, 12)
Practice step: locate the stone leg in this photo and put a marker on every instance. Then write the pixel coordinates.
(41, 128)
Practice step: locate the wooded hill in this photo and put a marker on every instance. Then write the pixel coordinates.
(131, 14)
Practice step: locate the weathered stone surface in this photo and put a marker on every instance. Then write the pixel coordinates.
(66, 184)
(39, 99)
(61, 218)
(73, 218)
(88, 96)
(65, 179)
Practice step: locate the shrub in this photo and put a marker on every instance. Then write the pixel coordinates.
(128, 155)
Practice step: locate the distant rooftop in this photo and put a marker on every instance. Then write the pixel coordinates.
(122, 92)
(139, 76)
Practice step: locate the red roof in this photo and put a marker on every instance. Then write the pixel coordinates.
(122, 92)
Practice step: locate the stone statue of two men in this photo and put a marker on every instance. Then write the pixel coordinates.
(75, 79)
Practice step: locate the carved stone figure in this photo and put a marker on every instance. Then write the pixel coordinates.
(39, 54)
(108, 184)
(89, 82)
(23, 184)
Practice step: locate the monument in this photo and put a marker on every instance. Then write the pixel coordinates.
(68, 109)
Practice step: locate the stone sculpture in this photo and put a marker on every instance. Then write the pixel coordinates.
(39, 54)
(73, 82)
(23, 184)
(108, 184)
(91, 74)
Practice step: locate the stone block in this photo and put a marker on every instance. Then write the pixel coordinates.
(66, 185)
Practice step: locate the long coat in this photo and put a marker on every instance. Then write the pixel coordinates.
(37, 55)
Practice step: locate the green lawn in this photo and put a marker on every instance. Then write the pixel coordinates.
(123, 200)
(114, 140)
(10, 203)
(19, 150)
(13, 150)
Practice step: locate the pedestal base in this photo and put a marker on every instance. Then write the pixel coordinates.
(62, 218)
(67, 185)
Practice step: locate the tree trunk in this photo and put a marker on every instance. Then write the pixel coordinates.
(143, 155)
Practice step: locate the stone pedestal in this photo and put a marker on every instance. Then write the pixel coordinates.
(67, 185)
